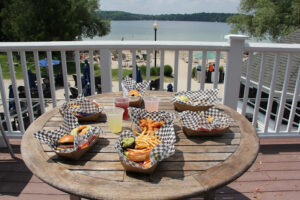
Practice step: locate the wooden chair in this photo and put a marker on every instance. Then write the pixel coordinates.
(6, 141)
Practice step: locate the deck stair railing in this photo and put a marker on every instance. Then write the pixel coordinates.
(234, 49)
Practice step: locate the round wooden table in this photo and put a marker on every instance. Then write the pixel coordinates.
(199, 166)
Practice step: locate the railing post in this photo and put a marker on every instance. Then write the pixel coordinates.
(233, 70)
(105, 67)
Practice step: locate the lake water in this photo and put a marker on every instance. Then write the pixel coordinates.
(167, 30)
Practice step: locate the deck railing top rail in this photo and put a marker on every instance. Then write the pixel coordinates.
(272, 47)
(95, 45)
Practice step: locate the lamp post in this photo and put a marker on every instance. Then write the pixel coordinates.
(155, 26)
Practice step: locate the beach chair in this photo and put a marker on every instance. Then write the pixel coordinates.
(74, 93)
(154, 84)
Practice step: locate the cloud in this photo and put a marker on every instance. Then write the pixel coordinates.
(170, 6)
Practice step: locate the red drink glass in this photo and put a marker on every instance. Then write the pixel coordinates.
(123, 102)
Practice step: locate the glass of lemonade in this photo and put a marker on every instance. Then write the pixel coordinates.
(151, 103)
(114, 119)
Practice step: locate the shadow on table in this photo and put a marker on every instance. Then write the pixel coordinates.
(103, 142)
(137, 176)
(101, 119)
(170, 168)
(227, 138)
(177, 128)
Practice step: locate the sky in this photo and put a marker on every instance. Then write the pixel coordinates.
(171, 6)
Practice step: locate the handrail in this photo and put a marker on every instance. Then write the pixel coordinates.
(96, 45)
(272, 47)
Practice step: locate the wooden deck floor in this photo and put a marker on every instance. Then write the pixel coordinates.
(274, 176)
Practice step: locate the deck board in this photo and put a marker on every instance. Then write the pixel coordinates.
(274, 175)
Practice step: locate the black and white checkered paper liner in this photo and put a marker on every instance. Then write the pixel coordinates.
(198, 98)
(130, 84)
(136, 114)
(198, 120)
(85, 106)
(160, 152)
(70, 122)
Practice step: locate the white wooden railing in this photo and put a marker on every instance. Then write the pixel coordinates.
(234, 49)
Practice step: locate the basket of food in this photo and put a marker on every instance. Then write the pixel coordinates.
(70, 140)
(135, 91)
(141, 152)
(150, 121)
(213, 122)
(83, 109)
(195, 100)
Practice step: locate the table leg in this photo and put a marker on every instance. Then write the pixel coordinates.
(74, 197)
(210, 195)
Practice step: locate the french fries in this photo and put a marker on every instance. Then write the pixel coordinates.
(150, 125)
(146, 142)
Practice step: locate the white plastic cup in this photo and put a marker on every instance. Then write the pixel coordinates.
(114, 119)
(151, 103)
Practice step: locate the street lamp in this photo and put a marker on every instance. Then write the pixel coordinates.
(155, 26)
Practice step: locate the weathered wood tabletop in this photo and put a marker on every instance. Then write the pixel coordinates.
(199, 166)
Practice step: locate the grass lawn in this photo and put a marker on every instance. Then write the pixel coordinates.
(71, 68)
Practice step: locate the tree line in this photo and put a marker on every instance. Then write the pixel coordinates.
(61, 20)
(207, 17)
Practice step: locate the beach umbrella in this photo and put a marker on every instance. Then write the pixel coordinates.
(86, 73)
(139, 77)
(12, 104)
(31, 79)
(44, 62)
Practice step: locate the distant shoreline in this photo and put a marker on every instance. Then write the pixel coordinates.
(202, 17)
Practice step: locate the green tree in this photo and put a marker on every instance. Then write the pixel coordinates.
(40, 20)
(266, 19)
(2, 36)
